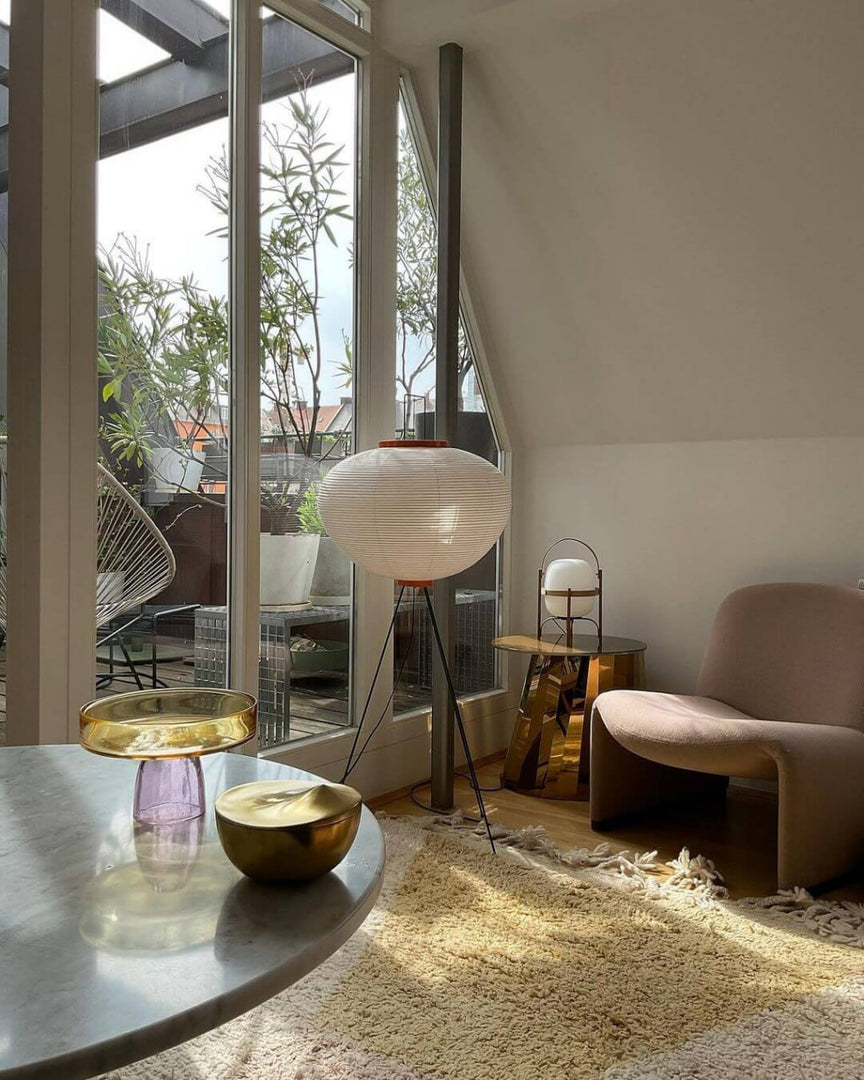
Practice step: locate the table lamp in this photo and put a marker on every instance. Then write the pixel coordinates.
(567, 588)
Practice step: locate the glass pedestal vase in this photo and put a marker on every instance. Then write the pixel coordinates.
(168, 790)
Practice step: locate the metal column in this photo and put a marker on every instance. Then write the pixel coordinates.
(446, 390)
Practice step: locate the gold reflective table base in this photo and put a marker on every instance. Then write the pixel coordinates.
(549, 751)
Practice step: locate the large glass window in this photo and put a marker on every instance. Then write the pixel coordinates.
(478, 588)
(308, 180)
(162, 352)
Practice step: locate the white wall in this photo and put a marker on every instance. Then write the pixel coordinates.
(663, 227)
(662, 211)
(679, 525)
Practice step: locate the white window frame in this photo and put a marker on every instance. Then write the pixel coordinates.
(53, 433)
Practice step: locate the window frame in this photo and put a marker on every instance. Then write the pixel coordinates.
(48, 690)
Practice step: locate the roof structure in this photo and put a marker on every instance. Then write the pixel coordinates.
(190, 87)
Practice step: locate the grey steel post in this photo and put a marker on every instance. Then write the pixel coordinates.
(446, 391)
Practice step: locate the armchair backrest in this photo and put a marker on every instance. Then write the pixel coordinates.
(789, 651)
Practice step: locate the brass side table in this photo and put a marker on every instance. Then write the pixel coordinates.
(549, 751)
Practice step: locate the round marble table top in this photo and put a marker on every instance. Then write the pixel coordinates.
(119, 941)
(583, 645)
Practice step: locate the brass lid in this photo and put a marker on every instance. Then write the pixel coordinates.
(286, 804)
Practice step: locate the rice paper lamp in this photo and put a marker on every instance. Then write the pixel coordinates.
(568, 589)
(416, 511)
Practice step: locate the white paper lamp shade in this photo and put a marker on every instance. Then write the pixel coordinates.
(416, 512)
(575, 574)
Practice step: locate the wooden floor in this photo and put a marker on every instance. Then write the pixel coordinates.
(740, 837)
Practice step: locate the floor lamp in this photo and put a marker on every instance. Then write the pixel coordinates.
(416, 511)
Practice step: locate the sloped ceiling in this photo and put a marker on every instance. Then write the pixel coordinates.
(663, 210)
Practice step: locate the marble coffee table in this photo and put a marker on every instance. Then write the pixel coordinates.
(116, 942)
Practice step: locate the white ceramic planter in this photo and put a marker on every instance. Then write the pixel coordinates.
(332, 581)
(287, 567)
(173, 470)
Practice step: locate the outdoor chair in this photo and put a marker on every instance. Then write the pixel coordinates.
(780, 696)
(133, 559)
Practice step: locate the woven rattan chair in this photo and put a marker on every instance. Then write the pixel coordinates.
(133, 560)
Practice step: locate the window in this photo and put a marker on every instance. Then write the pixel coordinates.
(478, 588)
(167, 349)
(308, 181)
(162, 358)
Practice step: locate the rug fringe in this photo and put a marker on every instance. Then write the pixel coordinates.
(840, 921)
(697, 875)
(694, 875)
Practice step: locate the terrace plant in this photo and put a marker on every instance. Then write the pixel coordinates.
(302, 200)
(416, 279)
(163, 343)
(162, 362)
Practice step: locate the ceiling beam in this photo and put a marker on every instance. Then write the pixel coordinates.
(177, 95)
(180, 27)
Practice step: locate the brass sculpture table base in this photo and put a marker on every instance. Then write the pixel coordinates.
(549, 751)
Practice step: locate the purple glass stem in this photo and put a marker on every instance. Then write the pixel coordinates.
(168, 790)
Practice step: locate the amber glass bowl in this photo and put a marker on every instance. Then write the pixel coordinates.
(163, 724)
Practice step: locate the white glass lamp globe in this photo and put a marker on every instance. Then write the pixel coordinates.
(414, 511)
(574, 574)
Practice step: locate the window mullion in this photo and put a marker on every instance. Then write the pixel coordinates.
(245, 425)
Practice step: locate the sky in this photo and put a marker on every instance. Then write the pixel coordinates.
(149, 193)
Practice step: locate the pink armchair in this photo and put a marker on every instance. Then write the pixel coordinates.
(780, 695)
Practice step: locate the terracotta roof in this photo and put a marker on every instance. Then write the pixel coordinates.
(303, 418)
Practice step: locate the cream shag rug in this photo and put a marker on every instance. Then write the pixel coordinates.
(542, 965)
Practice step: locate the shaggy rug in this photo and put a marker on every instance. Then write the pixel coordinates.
(561, 966)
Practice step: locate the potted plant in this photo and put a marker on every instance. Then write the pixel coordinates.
(301, 201)
(163, 368)
(163, 350)
(289, 552)
(332, 582)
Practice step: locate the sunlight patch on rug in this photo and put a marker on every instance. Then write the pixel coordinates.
(485, 964)
(535, 963)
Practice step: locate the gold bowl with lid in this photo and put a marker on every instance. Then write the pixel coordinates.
(287, 830)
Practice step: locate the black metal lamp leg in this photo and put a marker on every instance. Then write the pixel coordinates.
(475, 784)
(350, 763)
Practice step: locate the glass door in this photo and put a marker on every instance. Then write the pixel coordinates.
(163, 365)
(308, 182)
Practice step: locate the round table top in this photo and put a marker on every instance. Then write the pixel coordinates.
(117, 942)
(583, 645)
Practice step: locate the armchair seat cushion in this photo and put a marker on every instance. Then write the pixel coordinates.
(706, 735)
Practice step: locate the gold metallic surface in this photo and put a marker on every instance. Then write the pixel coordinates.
(287, 830)
(173, 723)
(549, 750)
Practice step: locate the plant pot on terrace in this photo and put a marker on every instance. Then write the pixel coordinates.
(176, 470)
(332, 582)
(288, 561)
